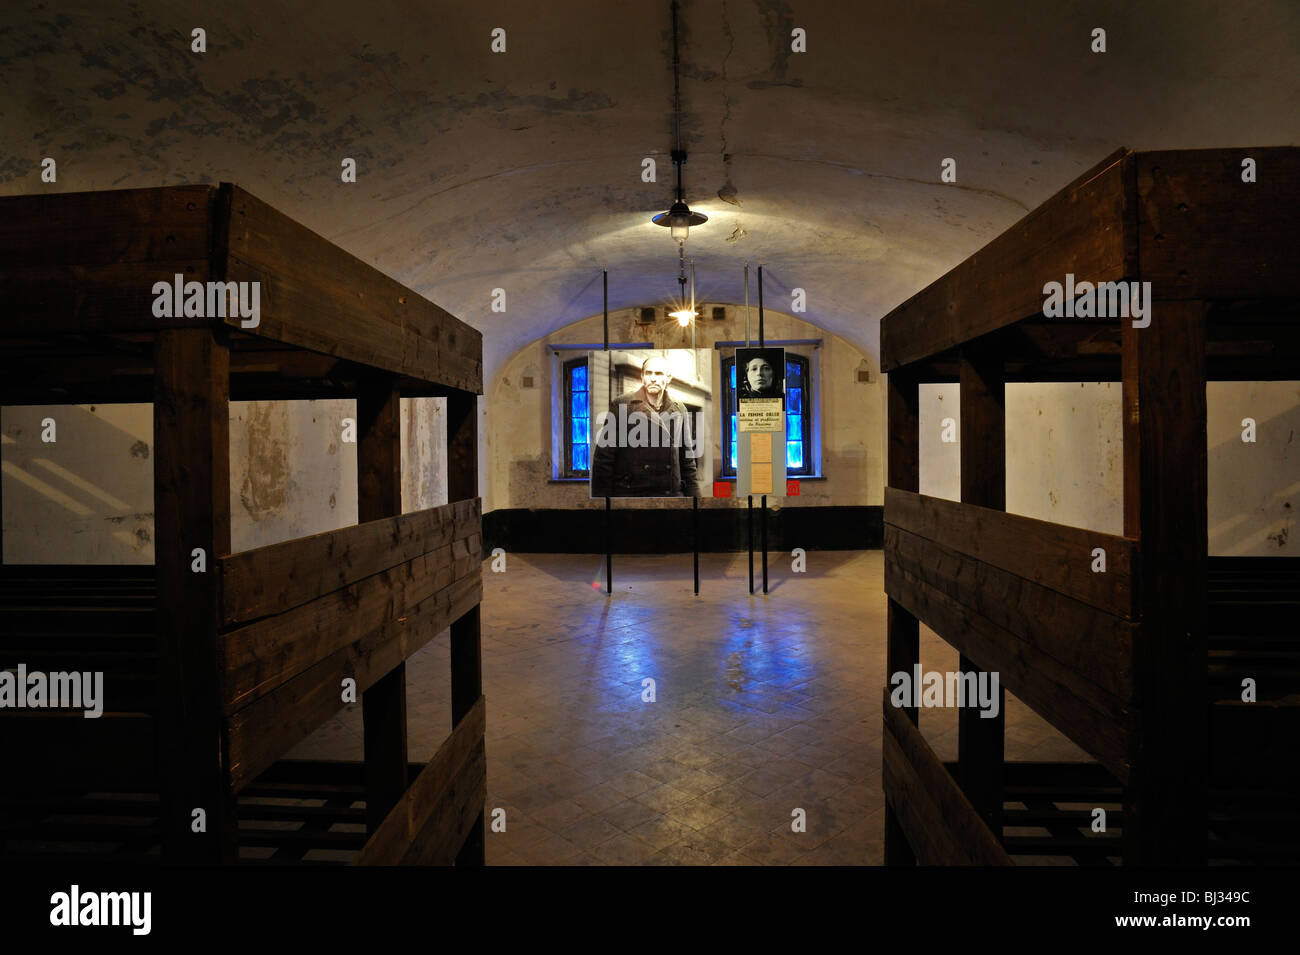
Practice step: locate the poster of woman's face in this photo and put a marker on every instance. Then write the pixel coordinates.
(760, 373)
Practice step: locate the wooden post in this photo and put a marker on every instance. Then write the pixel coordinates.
(903, 648)
(466, 633)
(1165, 478)
(192, 514)
(379, 495)
(980, 740)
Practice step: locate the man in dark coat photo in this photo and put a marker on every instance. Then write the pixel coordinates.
(646, 446)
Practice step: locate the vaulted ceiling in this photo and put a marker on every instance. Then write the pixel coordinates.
(522, 170)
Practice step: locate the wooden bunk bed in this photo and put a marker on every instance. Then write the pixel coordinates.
(1140, 666)
(212, 677)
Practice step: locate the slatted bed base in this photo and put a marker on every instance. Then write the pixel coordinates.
(299, 812)
(1047, 818)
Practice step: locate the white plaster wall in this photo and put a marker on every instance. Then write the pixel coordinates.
(1065, 458)
(1065, 453)
(1254, 488)
(940, 461)
(291, 474)
(85, 498)
(518, 448)
(424, 453)
(88, 497)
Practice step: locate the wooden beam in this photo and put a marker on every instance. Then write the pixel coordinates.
(116, 752)
(438, 813)
(1095, 720)
(902, 639)
(260, 656)
(87, 261)
(980, 738)
(279, 577)
(265, 730)
(1206, 234)
(191, 514)
(1089, 229)
(466, 632)
(315, 295)
(462, 446)
(940, 822)
(1095, 645)
(1165, 507)
(1254, 744)
(1054, 556)
(379, 496)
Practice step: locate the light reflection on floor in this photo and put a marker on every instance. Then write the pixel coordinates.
(763, 705)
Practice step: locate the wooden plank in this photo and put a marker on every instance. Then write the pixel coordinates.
(1097, 722)
(1254, 744)
(317, 296)
(1206, 234)
(87, 261)
(1089, 228)
(980, 739)
(904, 425)
(434, 817)
(941, 824)
(1091, 643)
(192, 511)
(903, 635)
(466, 632)
(379, 495)
(462, 446)
(1165, 507)
(279, 577)
(1052, 555)
(262, 655)
(269, 727)
(116, 751)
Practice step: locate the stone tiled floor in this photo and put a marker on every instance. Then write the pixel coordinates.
(763, 705)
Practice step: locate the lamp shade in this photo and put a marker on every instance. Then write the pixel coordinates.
(679, 219)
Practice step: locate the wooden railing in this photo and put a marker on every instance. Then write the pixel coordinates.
(1018, 596)
(944, 826)
(308, 613)
(439, 811)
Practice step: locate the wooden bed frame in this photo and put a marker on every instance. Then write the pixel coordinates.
(212, 677)
(1124, 662)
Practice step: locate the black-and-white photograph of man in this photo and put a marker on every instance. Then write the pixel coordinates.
(652, 440)
(761, 373)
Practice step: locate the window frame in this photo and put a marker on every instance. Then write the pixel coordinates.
(566, 378)
(810, 414)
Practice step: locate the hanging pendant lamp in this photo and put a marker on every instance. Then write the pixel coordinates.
(679, 218)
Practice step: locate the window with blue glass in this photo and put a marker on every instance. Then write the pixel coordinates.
(798, 417)
(577, 419)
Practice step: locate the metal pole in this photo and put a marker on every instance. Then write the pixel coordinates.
(609, 397)
(763, 514)
(751, 543)
(747, 303)
(695, 535)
